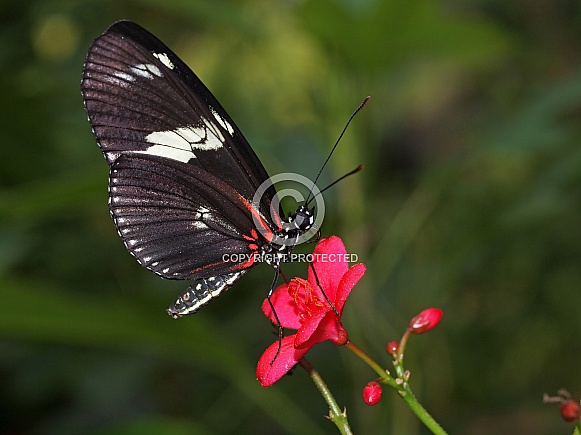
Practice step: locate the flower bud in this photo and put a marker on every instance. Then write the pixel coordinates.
(570, 410)
(426, 320)
(372, 393)
(392, 347)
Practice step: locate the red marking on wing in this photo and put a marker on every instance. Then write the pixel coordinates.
(264, 229)
(276, 217)
(240, 266)
(253, 237)
(207, 266)
(246, 264)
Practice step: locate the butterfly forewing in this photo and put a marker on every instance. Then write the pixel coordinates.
(142, 99)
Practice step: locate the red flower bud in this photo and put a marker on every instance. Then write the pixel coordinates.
(570, 410)
(392, 347)
(426, 320)
(372, 393)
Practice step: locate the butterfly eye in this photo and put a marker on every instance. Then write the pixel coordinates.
(303, 218)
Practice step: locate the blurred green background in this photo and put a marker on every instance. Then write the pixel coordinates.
(470, 201)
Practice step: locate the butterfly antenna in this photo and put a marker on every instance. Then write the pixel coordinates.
(354, 171)
(337, 143)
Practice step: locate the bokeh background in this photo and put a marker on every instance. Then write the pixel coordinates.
(470, 201)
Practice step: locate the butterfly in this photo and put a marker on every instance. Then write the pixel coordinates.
(186, 191)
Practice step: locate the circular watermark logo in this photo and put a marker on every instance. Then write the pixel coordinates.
(298, 197)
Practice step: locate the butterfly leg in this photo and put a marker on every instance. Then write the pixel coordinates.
(278, 325)
(321, 288)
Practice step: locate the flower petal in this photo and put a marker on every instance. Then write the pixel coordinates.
(309, 327)
(271, 369)
(285, 307)
(328, 328)
(346, 284)
(329, 260)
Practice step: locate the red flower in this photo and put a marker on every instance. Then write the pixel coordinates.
(426, 320)
(300, 305)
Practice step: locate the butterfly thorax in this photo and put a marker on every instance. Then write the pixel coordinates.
(300, 221)
(293, 229)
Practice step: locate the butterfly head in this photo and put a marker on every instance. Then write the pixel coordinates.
(301, 220)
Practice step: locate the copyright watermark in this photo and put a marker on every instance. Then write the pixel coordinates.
(298, 197)
(290, 258)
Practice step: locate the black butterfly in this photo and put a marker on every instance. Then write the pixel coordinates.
(182, 177)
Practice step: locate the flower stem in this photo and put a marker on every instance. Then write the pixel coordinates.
(400, 384)
(335, 414)
(383, 374)
(398, 357)
(425, 417)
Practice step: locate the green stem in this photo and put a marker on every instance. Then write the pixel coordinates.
(398, 357)
(383, 374)
(335, 414)
(425, 417)
(400, 384)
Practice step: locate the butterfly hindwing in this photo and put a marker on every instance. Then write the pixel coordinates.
(178, 220)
